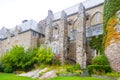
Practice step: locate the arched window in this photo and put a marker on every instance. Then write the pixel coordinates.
(55, 33)
(96, 18)
(55, 48)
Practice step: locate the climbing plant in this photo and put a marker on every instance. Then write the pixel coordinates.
(109, 22)
(96, 42)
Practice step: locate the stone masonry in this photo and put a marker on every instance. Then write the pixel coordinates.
(63, 37)
(113, 50)
(49, 28)
(57, 30)
(113, 54)
(80, 38)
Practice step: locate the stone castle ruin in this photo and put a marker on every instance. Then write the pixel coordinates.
(68, 32)
(67, 36)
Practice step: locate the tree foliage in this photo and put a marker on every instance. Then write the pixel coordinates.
(100, 60)
(96, 42)
(18, 59)
(45, 55)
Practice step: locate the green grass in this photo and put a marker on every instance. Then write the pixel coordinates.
(76, 78)
(8, 76)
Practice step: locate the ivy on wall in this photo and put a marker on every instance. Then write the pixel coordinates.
(110, 8)
(112, 35)
(95, 43)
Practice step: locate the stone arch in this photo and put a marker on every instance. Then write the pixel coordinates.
(55, 31)
(74, 23)
(92, 18)
(55, 47)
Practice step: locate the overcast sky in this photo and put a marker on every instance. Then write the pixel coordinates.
(12, 12)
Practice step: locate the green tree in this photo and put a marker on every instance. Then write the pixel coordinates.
(45, 55)
(18, 59)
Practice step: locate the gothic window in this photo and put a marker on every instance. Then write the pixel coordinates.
(96, 18)
(73, 34)
(34, 33)
(55, 33)
(55, 48)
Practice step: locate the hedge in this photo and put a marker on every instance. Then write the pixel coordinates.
(100, 60)
(99, 69)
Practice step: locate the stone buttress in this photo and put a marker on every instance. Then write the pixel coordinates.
(63, 37)
(80, 38)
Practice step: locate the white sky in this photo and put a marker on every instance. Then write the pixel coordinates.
(12, 12)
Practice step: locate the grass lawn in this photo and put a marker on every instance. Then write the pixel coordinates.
(76, 78)
(7, 76)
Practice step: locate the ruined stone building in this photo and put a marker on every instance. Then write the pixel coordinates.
(67, 32)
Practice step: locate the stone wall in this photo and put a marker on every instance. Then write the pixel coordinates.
(63, 37)
(112, 44)
(35, 40)
(1, 50)
(72, 50)
(65, 27)
(113, 54)
(81, 37)
(25, 39)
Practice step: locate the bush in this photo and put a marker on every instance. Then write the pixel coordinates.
(14, 58)
(18, 59)
(70, 70)
(100, 60)
(113, 74)
(99, 69)
(57, 62)
(96, 43)
(73, 68)
(45, 56)
(8, 69)
(29, 58)
(77, 67)
(1, 67)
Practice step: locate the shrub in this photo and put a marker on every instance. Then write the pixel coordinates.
(7, 63)
(44, 55)
(77, 67)
(57, 62)
(70, 70)
(29, 58)
(113, 74)
(14, 58)
(96, 43)
(73, 68)
(1, 67)
(100, 60)
(18, 59)
(99, 69)
(8, 69)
